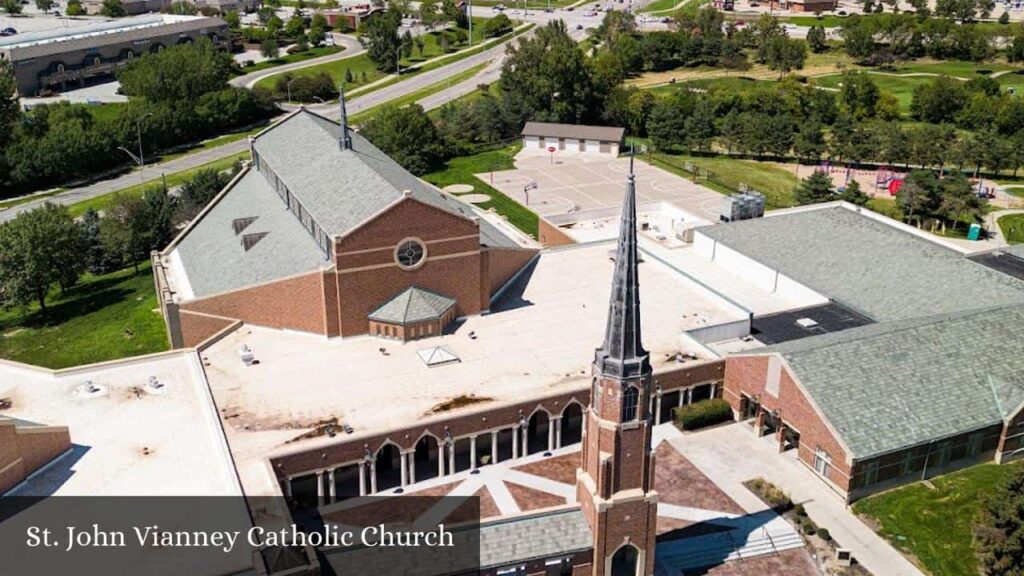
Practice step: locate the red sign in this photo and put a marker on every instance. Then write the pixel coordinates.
(551, 149)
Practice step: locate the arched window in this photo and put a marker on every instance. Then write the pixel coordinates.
(630, 400)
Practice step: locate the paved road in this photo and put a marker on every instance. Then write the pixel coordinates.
(352, 48)
(355, 105)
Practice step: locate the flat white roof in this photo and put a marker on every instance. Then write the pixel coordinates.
(111, 433)
(539, 340)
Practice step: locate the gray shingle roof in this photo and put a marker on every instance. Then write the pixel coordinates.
(413, 305)
(577, 131)
(525, 538)
(342, 188)
(869, 266)
(214, 258)
(888, 386)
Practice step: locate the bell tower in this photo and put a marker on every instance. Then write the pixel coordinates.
(615, 482)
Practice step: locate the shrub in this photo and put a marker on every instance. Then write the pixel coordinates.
(799, 510)
(771, 494)
(810, 528)
(703, 413)
(824, 535)
(497, 26)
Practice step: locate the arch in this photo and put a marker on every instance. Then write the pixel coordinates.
(537, 432)
(388, 466)
(572, 423)
(426, 456)
(630, 403)
(625, 561)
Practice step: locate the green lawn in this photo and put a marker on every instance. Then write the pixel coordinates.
(1012, 227)
(462, 171)
(958, 68)
(660, 5)
(935, 525)
(100, 203)
(358, 65)
(103, 318)
(902, 87)
(728, 173)
(291, 58)
(105, 112)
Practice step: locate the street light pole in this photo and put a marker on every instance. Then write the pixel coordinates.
(140, 159)
(290, 88)
(470, 22)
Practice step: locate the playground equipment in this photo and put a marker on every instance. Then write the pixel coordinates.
(888, 179)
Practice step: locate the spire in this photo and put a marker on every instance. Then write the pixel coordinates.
(622, 355)
(346, 139)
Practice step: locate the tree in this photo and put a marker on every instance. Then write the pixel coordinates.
(183, 7)
(181, 73)
(816, 39)
(809, 141)
(10, 111)
(814, 189)
(233, 19)
(497, 26)
(74, 8)
(918, 195)
(45, 5)
(430, 14)
(97, 259)
(667, 126)
(134, 226)
(853, 194)
(959, 202)
(294, 27)
(938, 101)
(381, 39)
(999, 529)
(197, 192)
(859, 95)
(269, 48)
(407, 135)
(113, 9)
(38, 249)
(12, 7)
(785, 54)
(546, 77)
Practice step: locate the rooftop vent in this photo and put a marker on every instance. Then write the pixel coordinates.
(155, 386)
(90, 389)
(250, 240)
(806, 323)
(239, 224)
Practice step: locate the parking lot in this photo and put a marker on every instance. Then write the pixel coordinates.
(570, 181)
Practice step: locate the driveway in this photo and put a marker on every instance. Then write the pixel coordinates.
(729, 455)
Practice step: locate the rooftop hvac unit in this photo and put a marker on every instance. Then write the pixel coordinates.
(743, 206)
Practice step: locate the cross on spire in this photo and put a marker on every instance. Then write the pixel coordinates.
(622, 355)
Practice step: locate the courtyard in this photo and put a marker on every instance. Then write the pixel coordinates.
(568, 182)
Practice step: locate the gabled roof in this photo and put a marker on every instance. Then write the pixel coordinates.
(215, 258)
(868, 265)
(888, 386)
(577, 131)
(343, 188)
(413, 305)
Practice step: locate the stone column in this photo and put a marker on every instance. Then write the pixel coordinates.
(689, 397)
(551, 434)
(758, 421)
(515, 442)
(362, 478)
(331, 489)
(320, 488)
(494, 447)
(440, 459)
(288, 487)
(472, 453)
(373, 477)
(412, 466)
(451, 458)
(557, 423)
(657, 409)
(525, 441)
(403, 465)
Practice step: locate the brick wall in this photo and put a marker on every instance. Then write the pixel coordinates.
(23, 450)
(296, 303)
(550, 235)
(502, 265)
(748, 375)
(197, 328)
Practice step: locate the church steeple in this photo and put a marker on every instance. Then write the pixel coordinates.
(622, 355)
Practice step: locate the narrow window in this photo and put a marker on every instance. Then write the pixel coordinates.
(630, 400)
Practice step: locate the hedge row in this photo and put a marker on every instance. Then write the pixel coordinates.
(703, 413)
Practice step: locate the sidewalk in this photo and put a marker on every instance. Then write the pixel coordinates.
(731, 454)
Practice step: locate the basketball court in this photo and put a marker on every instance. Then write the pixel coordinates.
(568, 182)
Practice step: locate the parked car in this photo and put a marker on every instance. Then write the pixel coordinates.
(8, 32)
